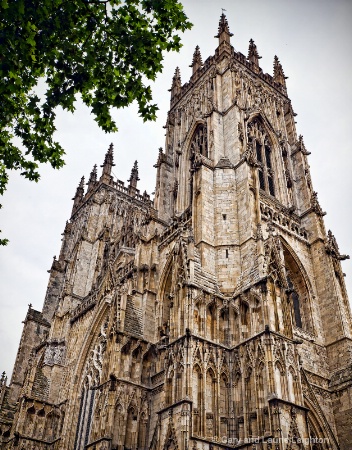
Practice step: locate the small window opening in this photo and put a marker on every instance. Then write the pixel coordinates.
(227, 253)
(259, 151)
(296, 309)
(261, 180)
(271, 186)
(224, 216)
(268, 156)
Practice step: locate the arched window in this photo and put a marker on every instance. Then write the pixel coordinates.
(199, 142)
(296, 309)
(90, 381)
(299, 297)
(84, 417)
(260, 142)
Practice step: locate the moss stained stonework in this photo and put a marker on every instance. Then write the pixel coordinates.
(215, 316)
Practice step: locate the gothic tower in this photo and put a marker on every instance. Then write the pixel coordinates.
(214, 317)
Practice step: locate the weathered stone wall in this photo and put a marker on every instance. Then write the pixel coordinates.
(212, 316)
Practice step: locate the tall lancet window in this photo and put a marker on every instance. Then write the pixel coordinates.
(91, 381)
(259, 141)
(85, 415)
(200, 141)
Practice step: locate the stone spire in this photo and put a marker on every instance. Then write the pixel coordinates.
(279, 76)
(92, 178)
(134, 176)
(197, 60)
(108, 164)
(253, 55)
(77, 199)
(223, 31)
(176, 83)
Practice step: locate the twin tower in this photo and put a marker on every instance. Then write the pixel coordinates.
(215, 316)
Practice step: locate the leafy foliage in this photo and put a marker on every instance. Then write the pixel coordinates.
(102, 50)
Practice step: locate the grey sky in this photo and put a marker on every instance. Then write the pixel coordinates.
(313, 40)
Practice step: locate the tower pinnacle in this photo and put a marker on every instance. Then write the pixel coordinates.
(197, 60)
(253, 55)
(279, 76)
(108, 164)
(92, 178)
(176, 83)
(79, 195)
(223, 30)
(134, 176)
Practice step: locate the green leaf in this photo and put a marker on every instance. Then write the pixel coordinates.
(75, 48)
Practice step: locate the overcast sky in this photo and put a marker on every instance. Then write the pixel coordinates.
(313, 40)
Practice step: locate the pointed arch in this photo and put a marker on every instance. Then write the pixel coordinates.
(320, 440)
(199, 140)
(196, 135)
(171, 289)
(262, 142)
(88, 371)
(261, 116)
(300, 287)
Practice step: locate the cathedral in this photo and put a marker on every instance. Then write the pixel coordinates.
(214, 316)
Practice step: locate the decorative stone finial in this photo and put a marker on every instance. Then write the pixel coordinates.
(80, 190)
(316, 205)
(223, 30)
(108, 161)
(333, 249)
(253, 55)
(197, 60)
(3, 379)
(176, 83)
(301, 145)
(279, 76)
(134, 175)
(92, 178)
(77, 199)
(108, 165)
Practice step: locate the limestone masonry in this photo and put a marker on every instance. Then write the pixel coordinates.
(216, 315)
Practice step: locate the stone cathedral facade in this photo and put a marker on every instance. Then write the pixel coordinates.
(216, 315)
